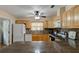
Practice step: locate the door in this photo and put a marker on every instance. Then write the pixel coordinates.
(6, 32)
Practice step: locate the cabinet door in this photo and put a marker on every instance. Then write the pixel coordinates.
(49, 24)
(68, 19)
(72, 18)
(76, 16)
(35, 37)
(64, 21)
(46, 37)
(28, 37)
(40, 37)
(45, 24)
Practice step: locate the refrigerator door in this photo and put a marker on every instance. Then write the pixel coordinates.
(18, 32)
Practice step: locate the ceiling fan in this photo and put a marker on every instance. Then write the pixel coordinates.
(38, 14)
(52, 6)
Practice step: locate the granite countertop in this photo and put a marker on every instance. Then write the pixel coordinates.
(36, 32)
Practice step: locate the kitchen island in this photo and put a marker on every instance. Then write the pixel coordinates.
(37, 36)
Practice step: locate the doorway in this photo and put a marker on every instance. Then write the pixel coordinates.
(5, 31)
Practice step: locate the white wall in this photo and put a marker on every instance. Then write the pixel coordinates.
(10, 27)
(8, 16)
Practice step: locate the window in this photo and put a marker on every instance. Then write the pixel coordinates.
(37, 26)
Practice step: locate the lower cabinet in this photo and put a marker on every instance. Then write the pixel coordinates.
(28, 37)
(40, 37)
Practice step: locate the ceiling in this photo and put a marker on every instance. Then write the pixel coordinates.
(21, 11)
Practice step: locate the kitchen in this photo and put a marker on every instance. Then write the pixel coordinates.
(61, 23)
(54, 23)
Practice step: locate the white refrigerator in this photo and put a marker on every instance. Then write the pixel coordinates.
(18, 32)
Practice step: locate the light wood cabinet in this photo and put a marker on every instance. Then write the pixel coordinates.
(40, 37)
(25, 22)
(45, 24)
(64, 21)
(70, 18)
(76, 17)
(50, 24)
(28, 24)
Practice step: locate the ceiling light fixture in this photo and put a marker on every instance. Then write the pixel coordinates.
(37, 17)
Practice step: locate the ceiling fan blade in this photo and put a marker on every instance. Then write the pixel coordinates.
(43, 16)
(30, 15)
(52, 6)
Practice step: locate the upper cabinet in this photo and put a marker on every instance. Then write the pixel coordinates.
(76, 16)
(26, 23)
(45, 24)
(64, 17)
(54, 22)
(57, 22)
(50, 24)
(70, 18)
